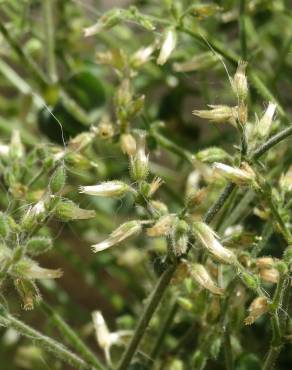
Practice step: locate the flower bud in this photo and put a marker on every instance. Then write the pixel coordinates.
(211, 155)
(241, 176)
(58, 180)
(179, 237)
(154, 186)
(106, 21)
(139, 162)
(251, 281)
(128, 144)
(288, 255)
(208, 239)
(28, 292)
(199, 273)
(123, 232)
(286, 180)
(169, 40)
(34, 215)
(107, 189)
(68, 211)
(258, 307)
(4, 225)
(81, 141)
(265, 262)
(239, 82)
(162, 227)
(263, 126)
(28, 269)
(141, 56)
(181, 273)
(218, 114)
(38, 245)
(269, 275)
(157, 207)
(185, 303)
(197, 63)
(195, 198)
(16, 151)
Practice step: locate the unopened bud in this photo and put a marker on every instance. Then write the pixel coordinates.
(258, 307)
(107, 189)
(128, 144)
(286, 180)
(251, 281)
(16, 147)
(58, 180)
(263, 126)
(38, 245)
(169, 40)
(141, 56)
(28, 269)
(199, 273)
(208, 239)
(241, 176)
(81, 141)
(4, 225)
(103, 335)
(196, 197)
(157, 207)
(265, 262)
(67, 211)
(239, 82)
(123, 232)
(218, 114)
(139, 165)
(211, 155)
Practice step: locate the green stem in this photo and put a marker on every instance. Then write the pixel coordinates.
(227, 350)
(150, 308)
(24, 57)
(49, 344)
(70, 335)
(50, 39)
(242, 32)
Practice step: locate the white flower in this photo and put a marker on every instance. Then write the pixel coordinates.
(208, 239)
(123, 232)
(104, 337)
(168, 45)
(106, 189)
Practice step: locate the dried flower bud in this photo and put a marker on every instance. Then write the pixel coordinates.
(196, 197)
(154, 186)
(169, 40)
(38, 245)
(58, 180)
(123, 232)
(28, 292)
(265, 262)
(199, 273)
(181, 273)
(67, 211)
(258, 307)
(128, 144)
(107, 189)
(162, 227)
(30, 270)
(241, 176)
(269, 275)
(239, 82)
(208, 239)
(263, 126)
(81, 141)
(179, 237)
(139, 165)
(218, 114)
(157, 207)
(212, 154)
